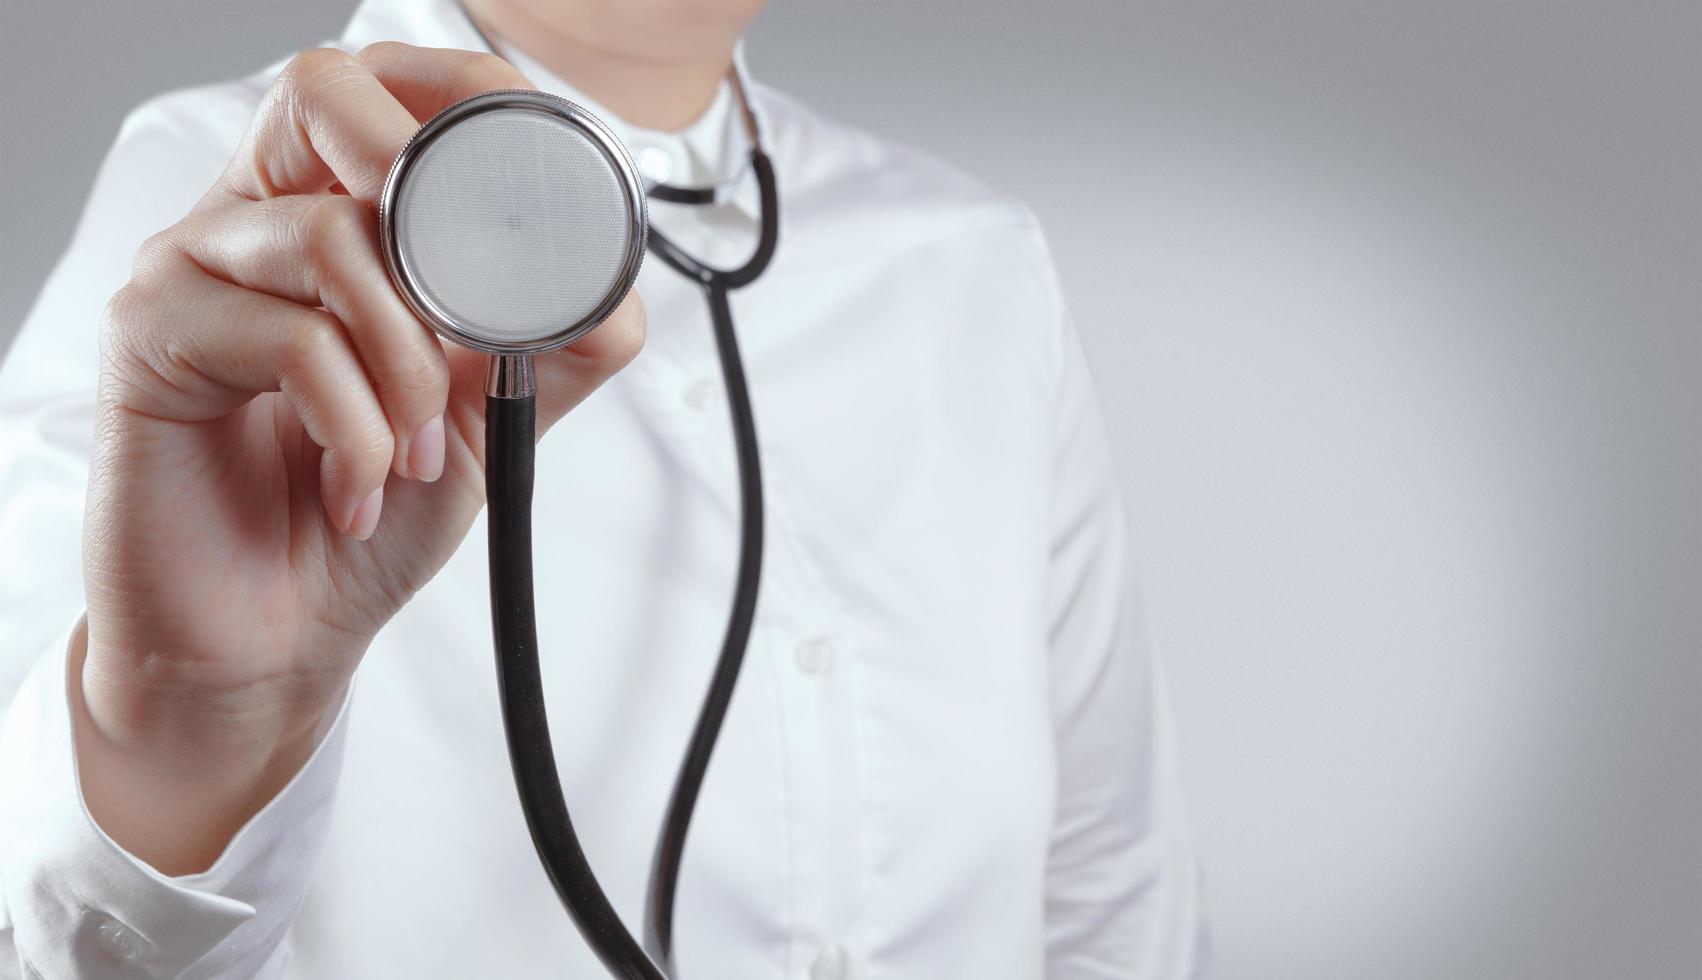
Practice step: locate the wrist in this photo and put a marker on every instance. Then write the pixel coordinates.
(207, 712)
(172, 772)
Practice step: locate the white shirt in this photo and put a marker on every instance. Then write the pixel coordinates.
(949, 755)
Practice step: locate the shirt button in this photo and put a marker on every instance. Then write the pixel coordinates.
(655, 163)
(831, 964)
(700, 394)
(814, 656)
(118, 939)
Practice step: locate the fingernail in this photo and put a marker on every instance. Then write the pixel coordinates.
(425, 451)
(365, 519)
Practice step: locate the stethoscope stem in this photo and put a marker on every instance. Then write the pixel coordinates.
(510, 376)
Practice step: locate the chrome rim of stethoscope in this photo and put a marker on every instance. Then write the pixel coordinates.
(597, 133)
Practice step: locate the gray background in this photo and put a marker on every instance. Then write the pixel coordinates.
(1396, 310)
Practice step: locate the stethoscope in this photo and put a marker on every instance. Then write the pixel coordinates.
(514, 223)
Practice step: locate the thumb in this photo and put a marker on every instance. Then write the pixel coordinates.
(565, 377)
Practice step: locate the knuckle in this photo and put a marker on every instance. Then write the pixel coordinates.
(379, 51)
(124, 311)
(418, 377)
(371, 441)
(156, 253)
(132, 311)
(160, 269)
(152, 250)
(328, 225)
(306, 68)
(483, 71)
(313, 78)
(127, 303)
(315, 347)
(135, 354)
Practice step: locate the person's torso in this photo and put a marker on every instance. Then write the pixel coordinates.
(882, 790)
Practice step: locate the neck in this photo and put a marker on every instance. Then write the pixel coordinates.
(653, 89)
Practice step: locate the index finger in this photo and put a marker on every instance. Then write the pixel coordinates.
(428, 80)
(336, 118)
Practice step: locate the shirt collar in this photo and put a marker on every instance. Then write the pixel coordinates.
(711, 148)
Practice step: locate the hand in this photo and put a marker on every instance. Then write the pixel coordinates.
(284, 455)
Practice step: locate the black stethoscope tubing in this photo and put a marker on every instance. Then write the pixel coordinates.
(510, 425)
(717, 284)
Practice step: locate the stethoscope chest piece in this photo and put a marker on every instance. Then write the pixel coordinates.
(513, 222)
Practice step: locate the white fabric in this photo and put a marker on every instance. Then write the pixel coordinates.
(950, 753)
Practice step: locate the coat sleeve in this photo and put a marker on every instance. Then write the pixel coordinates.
(73, 904)
(1123, 885)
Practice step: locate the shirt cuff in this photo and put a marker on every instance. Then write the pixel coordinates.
(82, 906)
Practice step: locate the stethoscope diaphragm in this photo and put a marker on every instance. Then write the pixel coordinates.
(513, 222)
